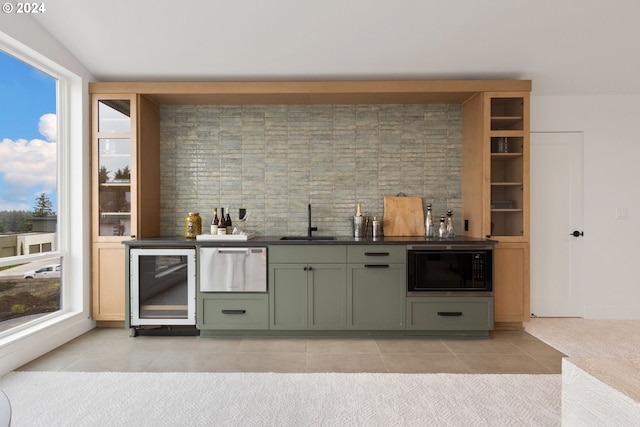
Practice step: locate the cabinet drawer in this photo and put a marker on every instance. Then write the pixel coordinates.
(450, 313)
(370, 254)
(319, 254)
(234, 312)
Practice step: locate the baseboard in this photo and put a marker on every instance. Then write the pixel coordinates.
(508, 326)
(110, 324)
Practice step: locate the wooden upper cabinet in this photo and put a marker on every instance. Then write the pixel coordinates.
(507, 143)
(496, 166)
(125, 158)
(114, 169)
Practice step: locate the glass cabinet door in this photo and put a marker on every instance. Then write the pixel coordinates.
(114, 163)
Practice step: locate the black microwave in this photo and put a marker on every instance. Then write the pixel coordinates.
(449, 270)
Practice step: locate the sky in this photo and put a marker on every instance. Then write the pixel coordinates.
(28, 135)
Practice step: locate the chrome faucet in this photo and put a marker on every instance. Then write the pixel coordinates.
(310, 229)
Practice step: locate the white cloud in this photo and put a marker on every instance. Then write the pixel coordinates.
(26, 163)
(28, 168)
(48, 126)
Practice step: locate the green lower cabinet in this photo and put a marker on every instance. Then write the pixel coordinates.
(450, 313)
(376, 296)
(232, 311)
(307, 296)
(288, 296)
(327, 297)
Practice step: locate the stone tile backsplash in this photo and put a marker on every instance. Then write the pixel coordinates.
(275, 159)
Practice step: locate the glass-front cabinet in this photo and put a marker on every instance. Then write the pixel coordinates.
(509, 178)
(114, 166)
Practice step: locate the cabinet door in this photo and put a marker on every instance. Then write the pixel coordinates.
(376, 296)
(511, 282)
(108, 282)
(114, 168)
(288, 296)
(327, 296)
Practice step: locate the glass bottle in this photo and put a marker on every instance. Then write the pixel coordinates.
(451, 232)
(228, 224)
(222, 225)
(214, 222)
(442, 231)
(428, 223)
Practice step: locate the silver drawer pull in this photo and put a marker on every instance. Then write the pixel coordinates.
(449, 313)
(234, 311)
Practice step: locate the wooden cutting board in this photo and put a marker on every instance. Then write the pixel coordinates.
(403, 216)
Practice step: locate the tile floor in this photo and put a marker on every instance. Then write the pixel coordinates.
(104, 349)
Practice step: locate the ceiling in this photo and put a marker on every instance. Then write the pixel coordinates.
(567, 47)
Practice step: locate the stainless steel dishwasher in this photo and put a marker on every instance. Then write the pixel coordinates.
(231, 269)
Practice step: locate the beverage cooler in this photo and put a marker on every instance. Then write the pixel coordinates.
(162, 290)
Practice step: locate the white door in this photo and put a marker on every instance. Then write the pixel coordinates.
(556, 212)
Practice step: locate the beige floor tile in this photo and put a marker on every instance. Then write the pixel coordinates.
(218, 345)
(552, 363)
(276, 362)
(109, 362)
(342, 345)
(317, 362)
(192, 362)
(272, 345)
(423, 363)
(53, 361)
(486, 346)
(113, 350)
(502, 364)
(412, 345)
(537, 348)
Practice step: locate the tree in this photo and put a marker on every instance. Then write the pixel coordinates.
(43, 206)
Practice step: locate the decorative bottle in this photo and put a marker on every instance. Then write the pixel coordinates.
(451, 232)
(442, 231)
(222, 226)
(214, 222)
(428, 223)
(228, 224)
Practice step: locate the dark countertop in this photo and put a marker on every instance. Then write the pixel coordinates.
(179, 241)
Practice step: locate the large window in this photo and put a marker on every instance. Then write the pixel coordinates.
(31, 259)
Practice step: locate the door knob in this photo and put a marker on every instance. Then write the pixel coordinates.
(577, 233)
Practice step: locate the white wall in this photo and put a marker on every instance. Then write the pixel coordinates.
(611, 288)
(20, 34)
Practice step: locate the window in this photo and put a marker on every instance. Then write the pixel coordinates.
(30, 254)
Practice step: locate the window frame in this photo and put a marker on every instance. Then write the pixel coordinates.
(70, 292)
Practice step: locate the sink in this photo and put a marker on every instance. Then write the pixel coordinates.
(308, 238)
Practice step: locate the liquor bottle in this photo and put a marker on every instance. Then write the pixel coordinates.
(442, 231)
(222, 225)
(229, 225)
(428, 223)
(359, 210)
(450, 230)
(214, 222)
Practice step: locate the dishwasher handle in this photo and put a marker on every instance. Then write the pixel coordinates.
(234, 251)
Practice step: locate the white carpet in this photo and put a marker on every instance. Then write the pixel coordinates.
(268, 399)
